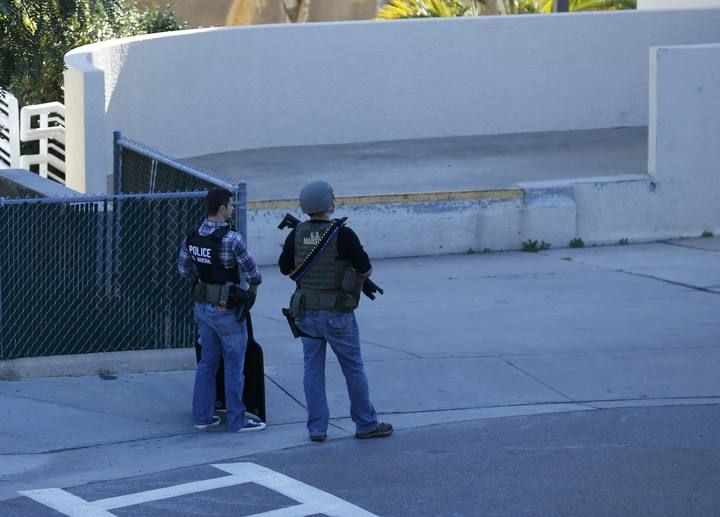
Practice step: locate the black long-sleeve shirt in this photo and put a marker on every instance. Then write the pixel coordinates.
(349, 248)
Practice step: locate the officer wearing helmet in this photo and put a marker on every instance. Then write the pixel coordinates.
(329, 265)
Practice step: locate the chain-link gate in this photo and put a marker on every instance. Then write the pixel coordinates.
(95, 274)
(138, 168)
(99, 273)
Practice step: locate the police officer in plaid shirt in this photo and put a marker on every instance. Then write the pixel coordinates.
(213, 256)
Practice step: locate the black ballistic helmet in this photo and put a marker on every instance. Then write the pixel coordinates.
(316, 197)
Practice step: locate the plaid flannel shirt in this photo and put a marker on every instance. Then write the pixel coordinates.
(233, 250)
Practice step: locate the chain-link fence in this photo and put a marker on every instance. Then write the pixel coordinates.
(14, 189)
(99, 273)
(139, 168)
(95, 274)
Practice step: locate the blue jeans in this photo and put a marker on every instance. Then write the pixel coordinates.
(341, 331)
(222, 336)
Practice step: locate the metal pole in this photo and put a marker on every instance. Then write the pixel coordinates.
(240, 202)
(2, 337)
(561, 6)
(117, 162)
(84, 199)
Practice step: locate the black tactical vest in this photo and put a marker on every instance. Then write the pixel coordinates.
(205, 252)
(325, 271)
(321, 287)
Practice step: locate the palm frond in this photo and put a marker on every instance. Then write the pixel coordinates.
(602, 5)
(36, 35)
(398, 9)
(592, 5)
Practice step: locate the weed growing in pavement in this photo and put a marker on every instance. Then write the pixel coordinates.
(533, 246)
(106, 375)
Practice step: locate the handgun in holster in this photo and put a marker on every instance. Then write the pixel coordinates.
(296, 332)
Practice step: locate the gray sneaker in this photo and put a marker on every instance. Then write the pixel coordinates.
(383, 429)
(252, 424)
(212, 423)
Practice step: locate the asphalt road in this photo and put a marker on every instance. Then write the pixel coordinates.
(653, 461)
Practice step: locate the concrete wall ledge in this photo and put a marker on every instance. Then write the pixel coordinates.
(600, 210)
(404, 225)
(106, 363)
(23, 183)
(596, 180)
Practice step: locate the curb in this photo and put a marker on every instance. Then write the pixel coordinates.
(103, 363)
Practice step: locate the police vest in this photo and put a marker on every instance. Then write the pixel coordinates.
(322, 285)
(205, 253)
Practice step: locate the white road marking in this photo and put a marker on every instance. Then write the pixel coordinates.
(311, 499)
(300, 510)
(319, 501)
(65, 502)
(170, 492)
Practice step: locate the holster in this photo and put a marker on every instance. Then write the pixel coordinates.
(297, 304)
(296, 332)
(229, 295)
(351, 287)
(296, 309)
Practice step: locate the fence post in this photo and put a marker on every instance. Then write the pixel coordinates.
(117, 162)
(2, 340)
(9, 131)
(240, 202)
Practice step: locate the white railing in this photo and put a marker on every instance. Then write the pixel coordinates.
(9, 131)
(44, 123)
(50, 133)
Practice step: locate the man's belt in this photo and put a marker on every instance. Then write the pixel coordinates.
(228, 295)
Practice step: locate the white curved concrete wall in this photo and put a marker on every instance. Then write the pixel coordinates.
(88, 157)
(216, 90)
(676, 4)
(679, 198)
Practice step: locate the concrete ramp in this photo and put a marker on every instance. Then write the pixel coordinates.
(441, 195)
(434, 165)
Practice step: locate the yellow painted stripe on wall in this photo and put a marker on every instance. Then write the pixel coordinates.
(420, 197)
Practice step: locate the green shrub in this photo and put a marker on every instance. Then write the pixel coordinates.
(577, 243)
(546, 6)
(396, 9)
(533, 246)
(35, 35)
